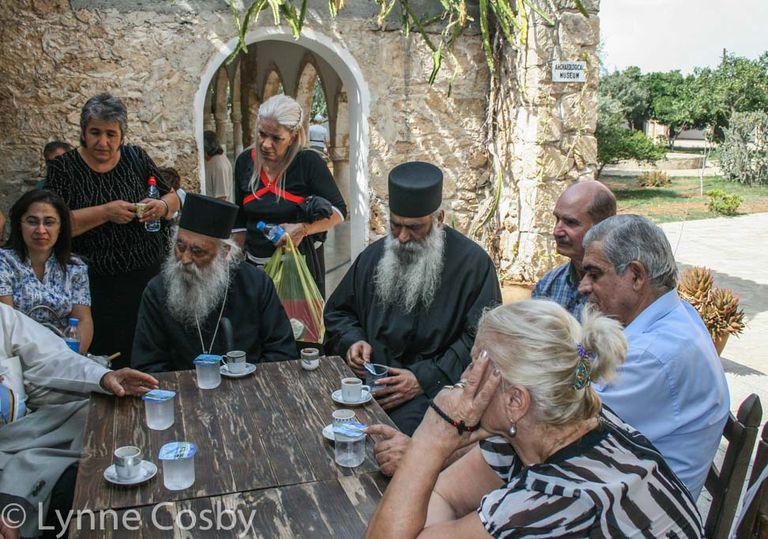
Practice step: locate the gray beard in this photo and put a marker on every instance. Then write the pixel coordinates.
(409, 274)
(192, 293)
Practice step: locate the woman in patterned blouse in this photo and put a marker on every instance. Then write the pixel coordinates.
(38, 275)
(552, 462)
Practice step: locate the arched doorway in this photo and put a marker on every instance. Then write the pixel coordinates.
(283, 59)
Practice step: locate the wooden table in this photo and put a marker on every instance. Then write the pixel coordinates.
(260, 452)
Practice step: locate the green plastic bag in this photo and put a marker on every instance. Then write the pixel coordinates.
(298, 293)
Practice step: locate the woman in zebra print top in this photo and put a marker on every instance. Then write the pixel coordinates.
(551, 462)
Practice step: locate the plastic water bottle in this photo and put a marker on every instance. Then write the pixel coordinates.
(72, 335)
(272, 232)
(152, 192)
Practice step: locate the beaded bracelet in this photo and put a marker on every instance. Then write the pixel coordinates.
(460, 425)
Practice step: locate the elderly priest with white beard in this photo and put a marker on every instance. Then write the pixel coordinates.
(412, 299)
(204, 280)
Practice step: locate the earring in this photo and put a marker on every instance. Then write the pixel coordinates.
(512, 431)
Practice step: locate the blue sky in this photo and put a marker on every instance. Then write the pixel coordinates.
(661, 35)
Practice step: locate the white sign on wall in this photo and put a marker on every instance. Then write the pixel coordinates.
(569, 72)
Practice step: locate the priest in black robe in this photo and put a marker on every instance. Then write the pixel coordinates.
(204, 282)
(412, 300)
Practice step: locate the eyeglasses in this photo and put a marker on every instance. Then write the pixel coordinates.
(48, 223)
(194, 250)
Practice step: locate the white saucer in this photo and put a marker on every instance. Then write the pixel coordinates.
(328, 432)
(148, 471)
(336, 396)
(250, 368)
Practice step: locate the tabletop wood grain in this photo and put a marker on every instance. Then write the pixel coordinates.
(260, 452)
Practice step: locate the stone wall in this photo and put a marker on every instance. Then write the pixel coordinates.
(54, 54)
(545, 140)
(54, 57)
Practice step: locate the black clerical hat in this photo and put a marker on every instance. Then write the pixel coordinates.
(415, 189)
(208, 216)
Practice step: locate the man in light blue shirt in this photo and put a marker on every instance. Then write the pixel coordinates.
(672, 387)
(578, 208)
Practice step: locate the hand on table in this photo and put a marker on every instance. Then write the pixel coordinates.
(297, 232)
(357, 355)
(390, 449)
(128, 382)
(120, 211)
(400, 386)
(154, 209)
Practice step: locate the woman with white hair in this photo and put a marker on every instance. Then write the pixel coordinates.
(279, 181)
(552, 462)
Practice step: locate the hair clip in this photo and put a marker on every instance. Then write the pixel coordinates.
(582, 377)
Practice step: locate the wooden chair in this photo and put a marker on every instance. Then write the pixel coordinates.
(755, 521)
(726, 484)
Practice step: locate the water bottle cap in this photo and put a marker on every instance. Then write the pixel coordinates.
(260, 225)
(74, 321)
(152, 181)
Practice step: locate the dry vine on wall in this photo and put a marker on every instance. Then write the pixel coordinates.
(504, 27)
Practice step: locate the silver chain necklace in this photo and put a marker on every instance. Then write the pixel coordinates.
(216, 329)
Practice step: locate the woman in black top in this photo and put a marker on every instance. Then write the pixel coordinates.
(101, 182)
(274, 181)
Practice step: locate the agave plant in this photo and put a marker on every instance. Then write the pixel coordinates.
(695, 285)
(718, 307)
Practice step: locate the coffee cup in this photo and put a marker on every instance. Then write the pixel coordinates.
(352, 389)
(127, 462)
(310, 358)
(235, 361)
(342, 416)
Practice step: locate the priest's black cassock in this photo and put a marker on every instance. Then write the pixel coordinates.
(259, 323)
(435, 343)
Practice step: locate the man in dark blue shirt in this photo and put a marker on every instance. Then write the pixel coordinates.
(581, 206)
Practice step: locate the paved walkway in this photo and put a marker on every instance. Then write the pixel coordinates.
(736, 250)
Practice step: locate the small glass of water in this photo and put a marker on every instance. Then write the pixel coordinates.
(349, 446)
(158, 405)
(349, 451)
(178, 465)
(208, 373)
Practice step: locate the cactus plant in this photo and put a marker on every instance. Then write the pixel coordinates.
(695, 285)
(718, 307)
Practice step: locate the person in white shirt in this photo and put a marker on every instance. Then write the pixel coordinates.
(37, 448)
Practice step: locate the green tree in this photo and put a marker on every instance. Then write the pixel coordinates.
(738, 85)
(744, 151)
(630, 90)
(616, 142)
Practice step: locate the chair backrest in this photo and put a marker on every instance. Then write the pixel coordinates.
(726, 484)
(754, 523)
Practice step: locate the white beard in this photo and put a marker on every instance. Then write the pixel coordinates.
(192, 292)
(409, 273)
